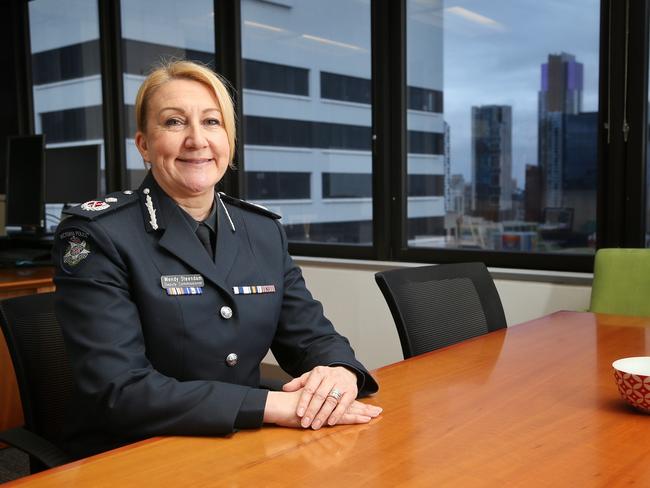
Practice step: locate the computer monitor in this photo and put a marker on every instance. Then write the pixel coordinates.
(72, 173)
(25, 182)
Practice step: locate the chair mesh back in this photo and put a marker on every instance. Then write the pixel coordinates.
(436, 306)
(38, 354)
(441, 313)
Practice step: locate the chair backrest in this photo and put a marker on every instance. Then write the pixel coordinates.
(621, 282)
(436, 306)
(38, 354)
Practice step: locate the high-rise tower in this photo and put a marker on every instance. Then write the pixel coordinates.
(560, 95)
(492, 161)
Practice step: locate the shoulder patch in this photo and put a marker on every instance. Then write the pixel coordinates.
(111, 202)
(74, 247)
(249, 206)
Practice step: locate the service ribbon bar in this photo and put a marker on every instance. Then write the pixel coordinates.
(253, 289)
(185, 290)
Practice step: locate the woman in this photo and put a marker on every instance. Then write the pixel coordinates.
(170, 296)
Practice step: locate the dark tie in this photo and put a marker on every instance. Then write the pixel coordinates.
(203, 233)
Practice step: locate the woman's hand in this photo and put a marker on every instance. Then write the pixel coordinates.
(281, 409)
(320, 387)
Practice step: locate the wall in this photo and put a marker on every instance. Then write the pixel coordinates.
(355, 305)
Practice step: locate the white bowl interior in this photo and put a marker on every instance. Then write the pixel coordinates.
(637, 365)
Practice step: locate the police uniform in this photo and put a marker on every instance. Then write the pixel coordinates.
(163, 340)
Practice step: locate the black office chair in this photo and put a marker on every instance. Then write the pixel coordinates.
(436, 306)
(44, 377)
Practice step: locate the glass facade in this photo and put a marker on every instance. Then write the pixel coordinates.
(66, 78)
(515, 141)
(154, 31)
(307, 116)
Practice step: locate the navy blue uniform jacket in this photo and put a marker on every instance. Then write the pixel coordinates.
(147, 363)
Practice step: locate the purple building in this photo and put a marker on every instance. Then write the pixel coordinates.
(560, 95)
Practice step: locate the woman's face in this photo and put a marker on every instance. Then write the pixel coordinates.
(185, 140)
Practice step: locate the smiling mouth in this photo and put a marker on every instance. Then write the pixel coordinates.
(195, 160)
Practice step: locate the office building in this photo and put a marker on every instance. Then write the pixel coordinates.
(580, 157)
(492, 162)
(457, 202)
(560, 94)
(532, 197)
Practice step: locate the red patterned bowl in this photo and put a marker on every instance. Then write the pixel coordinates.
(633, 380)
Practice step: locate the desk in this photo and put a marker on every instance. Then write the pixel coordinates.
(533, 405)
(15, 282)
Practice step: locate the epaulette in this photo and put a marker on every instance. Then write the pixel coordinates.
(249, 206)
(96, 208)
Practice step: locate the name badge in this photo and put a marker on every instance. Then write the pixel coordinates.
(253, 289)
(176, 281)
(183, 284)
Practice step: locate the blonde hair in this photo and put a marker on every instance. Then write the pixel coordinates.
(187, 70)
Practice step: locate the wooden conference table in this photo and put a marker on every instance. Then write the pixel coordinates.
(533, 405)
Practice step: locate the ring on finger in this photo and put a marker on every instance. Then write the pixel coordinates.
(335, 394)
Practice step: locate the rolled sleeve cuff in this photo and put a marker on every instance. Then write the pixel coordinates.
(251, 412)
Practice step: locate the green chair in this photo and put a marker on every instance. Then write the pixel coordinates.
(621, 282)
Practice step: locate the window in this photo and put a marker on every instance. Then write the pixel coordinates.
(506, 141)
(271, 131)
(259, 75)
(421, 142)
(66, 62)
(154, 31)
(347, 185)
(274, 185)
(73, 124)
(424, 99)
(425, 185)
(515, 145)
(66, 70)
(345, 88)
(141, 56)
(66, 77)
(321, 51)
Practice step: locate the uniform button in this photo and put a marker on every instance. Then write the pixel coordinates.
(231, 359)
(226, 312)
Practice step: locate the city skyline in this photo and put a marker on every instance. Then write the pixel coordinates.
(500, 58)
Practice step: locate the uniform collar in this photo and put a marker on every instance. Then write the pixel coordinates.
(157, 207)
(175, 228)
(210, 221)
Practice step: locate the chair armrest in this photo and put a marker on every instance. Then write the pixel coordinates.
(34, 445)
